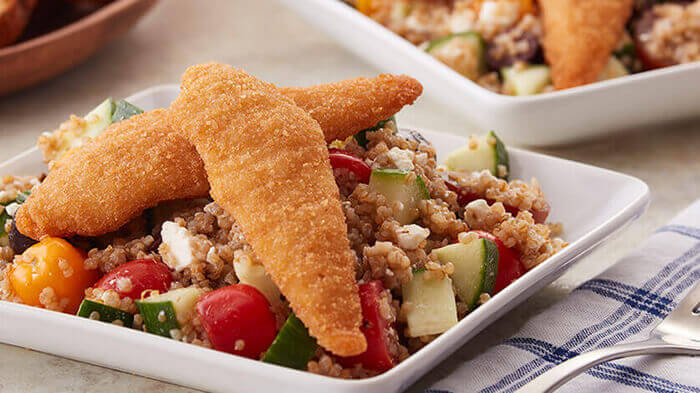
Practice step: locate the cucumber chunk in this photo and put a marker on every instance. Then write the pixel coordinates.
(527, 81)
(124, 110)
(396, 185)
(463, 52)
(165, 312)
(476, 266)
(293, 347)
(158, 317)
(390, 123)
(97, 121)
(104, 313)
(490, 153)
(613, 69)
(430, 305)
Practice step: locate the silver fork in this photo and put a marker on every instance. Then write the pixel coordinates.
(677, 334)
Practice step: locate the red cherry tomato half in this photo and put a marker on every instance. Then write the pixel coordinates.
(346, 160)
(238, 320)
(142, 274)
(376, 330)
(464, 197)
(509, 266)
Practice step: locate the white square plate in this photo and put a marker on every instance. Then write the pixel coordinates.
(592, 203)
(597, 109)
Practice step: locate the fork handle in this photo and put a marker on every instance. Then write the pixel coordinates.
(564, 372)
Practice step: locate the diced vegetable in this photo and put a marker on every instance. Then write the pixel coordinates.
(132, 278)
(341, 159)
(170, 310)
(429, 304)
(238, 320)
(475, 265)
(463, 52)
(105, 313)
(5, 215)
(124, 110)
(483, 152)
(361, 137)
(613, 69)
(183, 300)
(293, 347)
(17, 241)
(158, 317)
(509, 266)
(380, 336)
(251, 273)
(400, 186)
(526, 81)
(52, 266)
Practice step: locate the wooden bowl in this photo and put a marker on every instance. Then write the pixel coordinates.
(30, 62)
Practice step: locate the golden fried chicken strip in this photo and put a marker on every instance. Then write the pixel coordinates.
(359, 96)
(579, 37)
(344, 108)
(100, 186)
(268, 167)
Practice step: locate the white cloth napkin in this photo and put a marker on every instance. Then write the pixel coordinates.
(621, 305)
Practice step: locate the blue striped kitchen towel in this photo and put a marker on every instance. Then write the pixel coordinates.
(621, 305)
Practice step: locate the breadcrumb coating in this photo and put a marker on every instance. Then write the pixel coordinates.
(579, 37)
(326, 103)
(344, 108)
(268, 167)
(100, 186)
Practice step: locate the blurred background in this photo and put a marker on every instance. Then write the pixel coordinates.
(276, 45)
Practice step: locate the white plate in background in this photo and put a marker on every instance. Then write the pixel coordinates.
(598, 109)
(591, 203)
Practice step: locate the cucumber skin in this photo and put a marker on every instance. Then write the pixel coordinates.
(361, 137)
(150, 318)
(107, 313)
(501, 156)
(488, 269)
(294, 336)
(124, 110)
(491, 252)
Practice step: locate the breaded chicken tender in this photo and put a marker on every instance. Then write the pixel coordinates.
(359, 96)
(100, 186)
(344, 108)
(267, 163)
(579, 37)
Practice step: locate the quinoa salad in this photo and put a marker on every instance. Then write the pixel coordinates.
(430, 240)
(503, 45)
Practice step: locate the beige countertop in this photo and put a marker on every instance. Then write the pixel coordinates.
(276, 45)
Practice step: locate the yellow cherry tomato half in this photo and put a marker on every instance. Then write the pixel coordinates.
(51, 274)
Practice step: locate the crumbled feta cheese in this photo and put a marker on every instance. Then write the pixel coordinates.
(462, 21)
(403, 159)
(11, 209)
(177, 249)
(411, 236)
(498, 15)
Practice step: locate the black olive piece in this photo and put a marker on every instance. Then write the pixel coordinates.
(18, 242)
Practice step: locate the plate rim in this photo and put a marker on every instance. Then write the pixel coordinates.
(410, 369)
